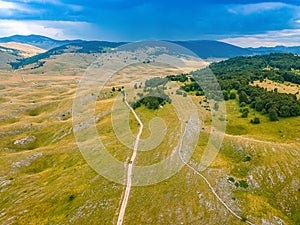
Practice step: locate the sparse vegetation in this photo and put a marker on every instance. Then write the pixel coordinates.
(251, 155)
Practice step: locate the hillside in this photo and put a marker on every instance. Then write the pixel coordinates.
(276, 49)
(86, 47)
(240, 73)
(204, 49)
(213, 49)
(256, 172)
(8, 55)
(25, 50)
(38, 41)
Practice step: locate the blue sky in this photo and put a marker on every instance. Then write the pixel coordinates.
(240, 22)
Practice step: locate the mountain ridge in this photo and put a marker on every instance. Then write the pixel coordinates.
(206, 49)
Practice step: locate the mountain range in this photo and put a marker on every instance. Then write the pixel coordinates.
(206, 49)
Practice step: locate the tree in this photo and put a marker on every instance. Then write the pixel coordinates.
(243, 97)
(273, 115)
(226, 96)
(216, 106)
(295, 110)
(245, 112)
(256, 120)
(285, 111)
(198, 93)
(259, 105)
(232, 95)
(113, 89)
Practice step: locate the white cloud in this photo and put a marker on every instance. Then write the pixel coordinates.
(54, 2)
(53, 29)
(11, 8)
(72, 7)
(247, 9)
(287, 37)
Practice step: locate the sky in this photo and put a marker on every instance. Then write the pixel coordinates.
(246, 23)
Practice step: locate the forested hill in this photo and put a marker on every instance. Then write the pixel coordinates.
(276, 66)
(238, 74)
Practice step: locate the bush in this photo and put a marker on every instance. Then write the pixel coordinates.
(256, 120)
(273, 115)
(243, 104)
(243, 184)
(247, 158)
(71, 197)
(231, 179)
(232, 95)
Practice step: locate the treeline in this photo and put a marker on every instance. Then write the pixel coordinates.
(155, 95)
(232, 78)
(237, 73)
(278, 67)
(273, 103)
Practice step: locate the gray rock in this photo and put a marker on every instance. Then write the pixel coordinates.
(26, 161)
(25, 141)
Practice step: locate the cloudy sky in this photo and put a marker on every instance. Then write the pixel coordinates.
(241, 22)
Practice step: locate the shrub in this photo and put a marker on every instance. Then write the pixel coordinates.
(231, 179)
(243, 184)
(232, 95)
(256, 120)
(71, 197)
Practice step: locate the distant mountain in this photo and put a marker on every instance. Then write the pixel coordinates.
(203, 48)
(38, 41)
(87, 47)
(277, 49)
(213, 49)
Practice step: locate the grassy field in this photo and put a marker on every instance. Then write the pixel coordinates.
(47, 181)
(285, 87)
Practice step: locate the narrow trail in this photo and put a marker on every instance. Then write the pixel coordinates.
(130, 175)
(251, 139)
(210, 186)
(130, 166)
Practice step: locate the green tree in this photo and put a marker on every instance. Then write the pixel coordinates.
(295, 110)
(225, 94)
(243, 97)
(285, 111)
(259, 105)
(216, 106)
(256, 120)
(232, 95)
(273, 115)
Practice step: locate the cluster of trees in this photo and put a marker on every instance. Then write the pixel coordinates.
(209, 86)
(151, 102)
(234, 76)
(181, 78)
(155, 96)
(237, 73)
(113, 89)
(156, 81)
(274, 103)
(193, 86)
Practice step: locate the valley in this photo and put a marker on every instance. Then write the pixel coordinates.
(44, 178)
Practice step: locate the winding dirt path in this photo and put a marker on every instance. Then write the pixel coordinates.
(130, 165)
(211, 188)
